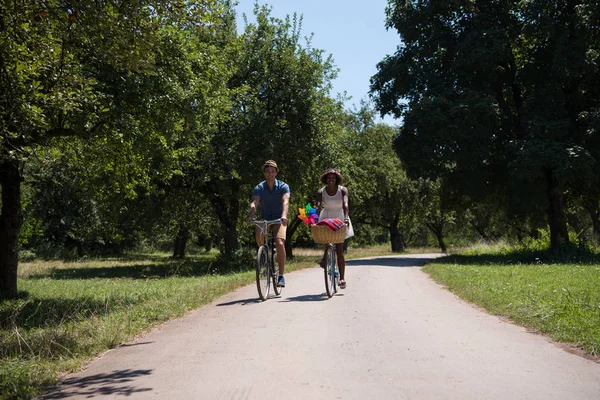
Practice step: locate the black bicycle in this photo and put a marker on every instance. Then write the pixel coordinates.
(267, 270)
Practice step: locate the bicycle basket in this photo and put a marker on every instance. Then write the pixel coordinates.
(324, 235)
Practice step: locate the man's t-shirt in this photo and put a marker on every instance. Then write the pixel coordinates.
(270, 200)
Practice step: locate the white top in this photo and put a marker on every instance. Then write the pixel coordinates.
(333, 208)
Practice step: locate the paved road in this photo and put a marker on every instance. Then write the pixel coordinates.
(392, 334)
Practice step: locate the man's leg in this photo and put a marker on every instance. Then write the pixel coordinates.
(280, 232)
(260, 238)
(280, 246)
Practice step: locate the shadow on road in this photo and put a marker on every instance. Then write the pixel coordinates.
(308, 297)
(100, 385)
(390, 262)
(241, 301)
(134, 344)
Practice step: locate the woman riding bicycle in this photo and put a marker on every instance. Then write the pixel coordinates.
(332, 202)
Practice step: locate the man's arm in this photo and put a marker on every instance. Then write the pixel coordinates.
(253, 207)
(285, 201)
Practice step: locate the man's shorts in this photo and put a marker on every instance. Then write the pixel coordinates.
(279, 231)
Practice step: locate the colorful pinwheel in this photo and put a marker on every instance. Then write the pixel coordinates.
(308, 214)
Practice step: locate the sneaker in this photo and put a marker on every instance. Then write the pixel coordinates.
(281, 281)
(342, 284)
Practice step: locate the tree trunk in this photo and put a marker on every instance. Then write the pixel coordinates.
(289, 234)
(595, 216)
(440, 239)
(180, 242)
(224, 197)
(396, 237)
(11, 220)
(481, 231)
(438, 231)
(559, 234)
(230, 239)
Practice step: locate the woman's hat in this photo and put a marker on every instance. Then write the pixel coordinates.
(338, 177)
(270, 163)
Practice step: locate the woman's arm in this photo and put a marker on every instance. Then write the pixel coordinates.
(345, 206)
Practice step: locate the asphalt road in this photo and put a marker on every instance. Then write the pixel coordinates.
(392, 334)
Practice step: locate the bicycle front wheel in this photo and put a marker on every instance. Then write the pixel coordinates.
(263, 273)
(329, 272)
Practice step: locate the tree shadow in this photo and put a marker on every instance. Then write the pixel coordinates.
(307, 297)
(403, 262)
(166, 269)
(523, 257)
(99, 385)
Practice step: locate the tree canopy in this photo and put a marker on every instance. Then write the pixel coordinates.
(497, 96)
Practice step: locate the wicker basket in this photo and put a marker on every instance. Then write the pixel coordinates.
(324, 234)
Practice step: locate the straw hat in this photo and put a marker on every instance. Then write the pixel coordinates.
(270, 163)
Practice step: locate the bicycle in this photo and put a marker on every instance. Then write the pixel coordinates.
(266, 269)
(331, 271)
(324, 235)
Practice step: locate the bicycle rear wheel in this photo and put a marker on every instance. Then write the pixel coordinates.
(329, 272)
(263, 273)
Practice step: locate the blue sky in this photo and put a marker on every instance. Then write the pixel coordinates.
(352, 31)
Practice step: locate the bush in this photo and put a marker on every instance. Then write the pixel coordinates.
(241, 260)
(26, 255)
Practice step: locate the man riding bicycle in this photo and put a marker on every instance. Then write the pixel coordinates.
(275, 196)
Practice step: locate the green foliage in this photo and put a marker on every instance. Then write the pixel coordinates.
(499, 100)
(97, 71)
(278, 94)
(382, 197)
(15, 378)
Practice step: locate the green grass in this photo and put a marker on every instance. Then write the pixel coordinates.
(559, 299)
(69, 312)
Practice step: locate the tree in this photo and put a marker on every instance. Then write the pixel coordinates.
(496, 95)
(381, 193)
(72, 69)
(277, 90)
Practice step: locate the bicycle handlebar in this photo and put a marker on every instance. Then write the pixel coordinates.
(267, 221)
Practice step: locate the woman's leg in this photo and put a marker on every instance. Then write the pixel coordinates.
(339, 251)
(324, 258)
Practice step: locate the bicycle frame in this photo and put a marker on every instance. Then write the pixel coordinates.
(331, 273)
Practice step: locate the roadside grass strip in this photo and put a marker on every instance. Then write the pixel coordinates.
(559, 300)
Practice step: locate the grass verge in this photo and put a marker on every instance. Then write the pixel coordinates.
(558, 299)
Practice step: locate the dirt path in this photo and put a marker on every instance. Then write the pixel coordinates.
(392, 334)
